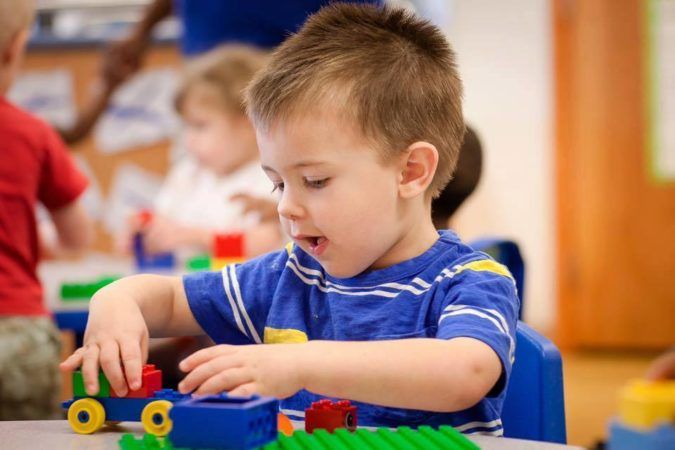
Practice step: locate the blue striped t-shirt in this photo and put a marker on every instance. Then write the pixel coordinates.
(447, 292)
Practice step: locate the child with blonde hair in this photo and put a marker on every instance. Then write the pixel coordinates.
(359, 123)
(197, 199)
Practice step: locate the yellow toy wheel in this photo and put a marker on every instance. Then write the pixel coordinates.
(155, 418)
(86, 416)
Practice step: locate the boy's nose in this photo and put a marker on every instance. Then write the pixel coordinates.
(288, 207)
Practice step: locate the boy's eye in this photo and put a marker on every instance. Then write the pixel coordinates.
(278, 186)
(316, 184)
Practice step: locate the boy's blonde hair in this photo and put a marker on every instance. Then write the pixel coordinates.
(223, 74)
(383, 68)
(15, 15)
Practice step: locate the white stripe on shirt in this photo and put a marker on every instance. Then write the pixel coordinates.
(235, 311)
(235, 286)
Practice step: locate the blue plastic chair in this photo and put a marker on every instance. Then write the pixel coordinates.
(534, 407)
(508, 253)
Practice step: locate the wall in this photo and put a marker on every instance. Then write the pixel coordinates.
(505, 59)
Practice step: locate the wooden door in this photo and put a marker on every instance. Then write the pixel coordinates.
(616, 224)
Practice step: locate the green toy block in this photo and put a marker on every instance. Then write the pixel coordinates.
(84, 291)
(200, 262)
(148, 442)
(78, 385)
(425, 437)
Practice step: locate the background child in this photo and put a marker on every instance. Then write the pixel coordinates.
(359, 123)
(35, 168)
(195, 201)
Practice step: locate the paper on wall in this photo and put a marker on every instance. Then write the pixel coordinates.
(92, 200)
(132, 189)
(47, 94)
(141, 113)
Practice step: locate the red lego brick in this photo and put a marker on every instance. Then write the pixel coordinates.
(328, 415)
(145, 217)
(228, 245)
(151, 382)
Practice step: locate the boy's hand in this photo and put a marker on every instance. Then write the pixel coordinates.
(116, 339)
(273, 370)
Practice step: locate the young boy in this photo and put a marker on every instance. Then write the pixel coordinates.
(359, 122)
(34, 167)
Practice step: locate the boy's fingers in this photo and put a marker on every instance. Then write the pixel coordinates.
(200, 357)
(73, 361)
(204, 371)
(130, 351)
(90, 369)
(224, 381)
(110, 363)
(245, 390)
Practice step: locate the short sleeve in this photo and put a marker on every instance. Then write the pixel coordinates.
(232, 305)
(482, 303)
(61, 182)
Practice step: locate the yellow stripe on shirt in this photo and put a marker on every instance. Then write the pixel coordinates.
(284, 336)
(485, 265)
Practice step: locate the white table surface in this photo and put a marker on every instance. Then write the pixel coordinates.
(57, 435)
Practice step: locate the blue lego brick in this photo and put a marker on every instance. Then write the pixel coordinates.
(125, 409)
(171, 395)
(146, 262)
(220, 421)
(622, 437)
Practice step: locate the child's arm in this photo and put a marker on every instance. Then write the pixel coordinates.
(74, 231)
(121, 316)
(429, 374)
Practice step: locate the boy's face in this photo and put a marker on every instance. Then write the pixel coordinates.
(337, 200)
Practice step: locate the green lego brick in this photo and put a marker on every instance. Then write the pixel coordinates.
(423, 438)
(78, 385)
(200, 262)
(147, 442)
(84, 291)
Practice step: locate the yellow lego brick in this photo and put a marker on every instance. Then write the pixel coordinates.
(219, 263)
(645, 404)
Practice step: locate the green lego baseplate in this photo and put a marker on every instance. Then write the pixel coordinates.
(424, 437)
(147, 442)
(402, 438)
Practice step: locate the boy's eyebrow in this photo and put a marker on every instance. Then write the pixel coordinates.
(297, 165)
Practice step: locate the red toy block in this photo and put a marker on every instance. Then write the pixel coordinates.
(145, 217)
(151, 382)
(228, 245)
(328, 415)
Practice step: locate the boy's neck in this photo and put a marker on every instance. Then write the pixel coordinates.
(417, 238)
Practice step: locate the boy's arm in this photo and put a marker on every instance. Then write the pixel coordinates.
(121, 316)
(428, 374)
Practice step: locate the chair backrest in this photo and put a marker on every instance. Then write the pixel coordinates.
(505, 252)
(534, 407)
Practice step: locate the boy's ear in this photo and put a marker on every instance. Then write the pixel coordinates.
(14, 47)
(418, 167)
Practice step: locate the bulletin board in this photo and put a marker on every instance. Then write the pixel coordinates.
(660, 54)
(84, 65)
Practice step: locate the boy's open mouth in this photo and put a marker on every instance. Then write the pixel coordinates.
(316, 243)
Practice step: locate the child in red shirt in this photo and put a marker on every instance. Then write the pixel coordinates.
(34, 167)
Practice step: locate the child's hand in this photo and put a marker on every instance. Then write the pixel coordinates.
(264, 207)
(164, 235)
(116, 339)
(273, 370)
